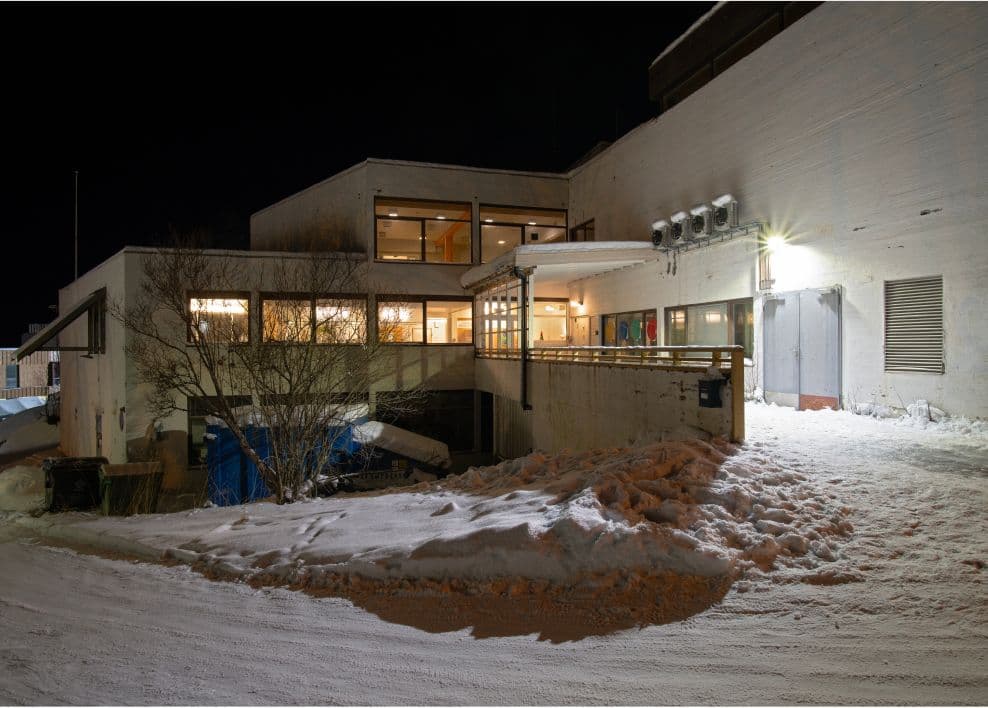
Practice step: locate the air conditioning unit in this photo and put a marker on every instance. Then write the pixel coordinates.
(660, 233)
(679, 231)
(699, 222)
(726, 214)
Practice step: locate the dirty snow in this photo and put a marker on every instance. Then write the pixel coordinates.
(888, 606)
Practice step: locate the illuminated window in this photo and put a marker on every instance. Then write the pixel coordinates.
(503, 228)
(630, 329)
(285, 318)
(219, 318)
(425, 322)
(712, 324)
(549, 318)
(417, 230)
(341, 321)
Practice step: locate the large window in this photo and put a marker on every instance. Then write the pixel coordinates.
(503, 228)
(416, 230)
(499, 317)
(425, 321)
(328, 320)
(713, 324)
(12, 378)
(219, 317)
(549, 318)
(630, 329)
(914, 325)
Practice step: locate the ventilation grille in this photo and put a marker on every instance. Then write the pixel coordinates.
(914, 325)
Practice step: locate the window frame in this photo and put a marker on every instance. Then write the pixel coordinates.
(422, 222)
(313, 299)
(219, 295)
(749, 301)
(521, 226)
(643, 311)
(424, 301)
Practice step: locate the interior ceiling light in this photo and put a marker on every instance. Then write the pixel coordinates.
(501, 243)
(440, 216)
(531, 223)
(489, 221)
(392, 214)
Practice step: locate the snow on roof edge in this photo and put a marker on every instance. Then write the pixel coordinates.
(692, 28)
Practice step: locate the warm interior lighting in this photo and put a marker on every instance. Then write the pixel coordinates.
(440, 217)
(230, 307)
(531, 223)
(501, 243)
(489, 221)
(712, 317)
(774, 242)
(392, 214)
(550, 308)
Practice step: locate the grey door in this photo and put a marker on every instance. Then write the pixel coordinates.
(802, 349)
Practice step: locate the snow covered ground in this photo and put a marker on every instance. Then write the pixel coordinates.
(851, 551)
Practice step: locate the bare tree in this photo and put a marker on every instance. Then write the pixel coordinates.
(304, 364)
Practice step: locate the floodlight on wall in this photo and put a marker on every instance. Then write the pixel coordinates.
(699, 222)
(660, 233)
(678, 231)
(726, 214)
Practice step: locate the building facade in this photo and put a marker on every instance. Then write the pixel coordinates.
(825, 182)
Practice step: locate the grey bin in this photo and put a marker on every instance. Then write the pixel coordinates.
(130, 488)
(72, 482)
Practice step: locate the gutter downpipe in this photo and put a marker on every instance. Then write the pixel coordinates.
(522, 275)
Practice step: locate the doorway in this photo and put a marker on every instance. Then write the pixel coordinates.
(802, 348)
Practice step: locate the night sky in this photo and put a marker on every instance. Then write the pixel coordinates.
(195, 115)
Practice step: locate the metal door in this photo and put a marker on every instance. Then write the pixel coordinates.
(802, 349)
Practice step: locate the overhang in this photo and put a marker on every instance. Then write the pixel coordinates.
(93, 305)
(562, 263)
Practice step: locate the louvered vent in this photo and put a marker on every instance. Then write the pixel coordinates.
(914, 325)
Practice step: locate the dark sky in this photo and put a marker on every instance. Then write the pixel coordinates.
(195, 115)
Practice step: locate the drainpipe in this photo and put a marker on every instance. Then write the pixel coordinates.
(522, 275)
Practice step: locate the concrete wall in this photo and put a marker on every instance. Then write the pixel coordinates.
(860, 133)
(579, 406)
(94, 397)
(344, 204)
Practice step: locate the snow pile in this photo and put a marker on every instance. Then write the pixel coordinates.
(613, 537)
(22, 488)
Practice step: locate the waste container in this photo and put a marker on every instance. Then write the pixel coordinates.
(72, 482)
(130, 488)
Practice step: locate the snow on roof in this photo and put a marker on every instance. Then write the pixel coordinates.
(581, 252)
(10, 406)
(404, 442)
(688, 32)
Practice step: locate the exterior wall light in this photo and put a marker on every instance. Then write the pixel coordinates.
(775, 242)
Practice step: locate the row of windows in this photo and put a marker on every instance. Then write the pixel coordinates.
(441, 232)
(331, 320)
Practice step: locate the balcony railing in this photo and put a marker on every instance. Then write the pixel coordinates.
(692, 356)
(22, 391)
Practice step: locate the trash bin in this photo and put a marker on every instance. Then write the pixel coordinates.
(130, 488)
(72, 482)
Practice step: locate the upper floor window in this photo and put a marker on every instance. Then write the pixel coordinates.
(425, 321)
(219, 317)
(417, 230)
(328, 320)
(503, 228)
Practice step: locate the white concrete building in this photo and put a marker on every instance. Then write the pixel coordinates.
(851, 269)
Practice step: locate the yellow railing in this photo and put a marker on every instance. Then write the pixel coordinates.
(729, 359)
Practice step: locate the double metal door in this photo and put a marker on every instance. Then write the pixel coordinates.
(802, 348)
